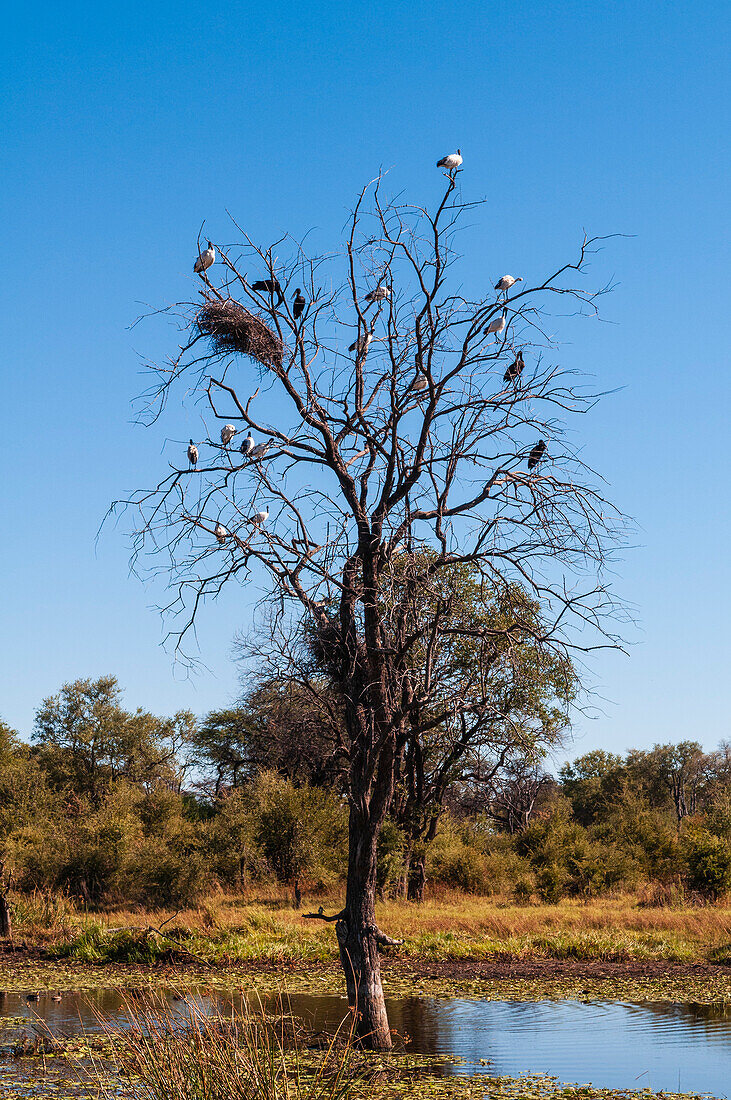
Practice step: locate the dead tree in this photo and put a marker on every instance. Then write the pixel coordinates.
(389, 431)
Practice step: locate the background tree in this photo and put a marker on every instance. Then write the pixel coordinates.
(511, 699)
(86, 740)
(391, 425)
(223, 747)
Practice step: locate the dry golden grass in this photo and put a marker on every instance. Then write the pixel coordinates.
(263, 924)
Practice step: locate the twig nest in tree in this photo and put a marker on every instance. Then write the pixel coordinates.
(231, 327)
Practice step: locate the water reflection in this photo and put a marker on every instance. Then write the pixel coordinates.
(675, 1047)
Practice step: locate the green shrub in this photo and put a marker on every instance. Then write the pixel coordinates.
(300, 831)
(523, 891)
(390, 856)
(551, 882)
(459, 866)
(708, 859)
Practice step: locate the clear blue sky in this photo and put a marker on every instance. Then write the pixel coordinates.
(125, 126)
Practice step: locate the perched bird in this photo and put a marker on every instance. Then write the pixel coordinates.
(227, 433)
(515, 369)
(498, 324)
(420, 383)
(205, 260)
(507, 281)
(260, 517)
(379, 294)
(451, 161)
(260, 450)
(268, 286)
(220, 532)
(536, 454)
(192, 453)
(248, 445)
(299, 303)
(362, 344)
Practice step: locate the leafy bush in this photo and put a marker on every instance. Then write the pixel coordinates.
(459, 866)
(708, 858)
(300, 831)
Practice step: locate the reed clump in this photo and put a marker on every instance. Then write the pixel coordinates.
(189, 1054)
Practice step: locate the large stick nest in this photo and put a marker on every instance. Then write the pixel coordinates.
(231, 327)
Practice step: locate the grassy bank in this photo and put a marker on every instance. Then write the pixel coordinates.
(453, 945)
(229, 929)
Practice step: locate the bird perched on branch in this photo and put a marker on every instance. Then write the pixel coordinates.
(268, 286)
(515, 369)
(361, 344)
(536, 454)
(227, 433)
(248, 445)
(260, 450)
(299, 303)
(380, 294)
(259, 518)
(507, 281)
(205, 259)
(497, 325)
(451, 161)
(420, 382)
(192, 453)
(220, 532)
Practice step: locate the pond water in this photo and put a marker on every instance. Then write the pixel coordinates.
(662, 1046)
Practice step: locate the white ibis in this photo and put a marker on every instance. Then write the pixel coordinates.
(362, 344)
(268, 286)
(205, 259)
(248, 445)
(298, 307)
(451, 161)
(260, 450)
(515, 369)
(227, 433)
(536, 454)
(220, 532)
(507, 281)
(380, 294)
(497, 324)
(260, 518)
(192, 453)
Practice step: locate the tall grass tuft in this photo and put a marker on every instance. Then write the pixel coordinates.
(186, 1054)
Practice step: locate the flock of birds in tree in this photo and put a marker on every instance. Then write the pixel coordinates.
(360, 345)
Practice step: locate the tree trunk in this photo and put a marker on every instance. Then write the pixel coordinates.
(6, 927)
(403, 886)
(417, 881)
(358, 934)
